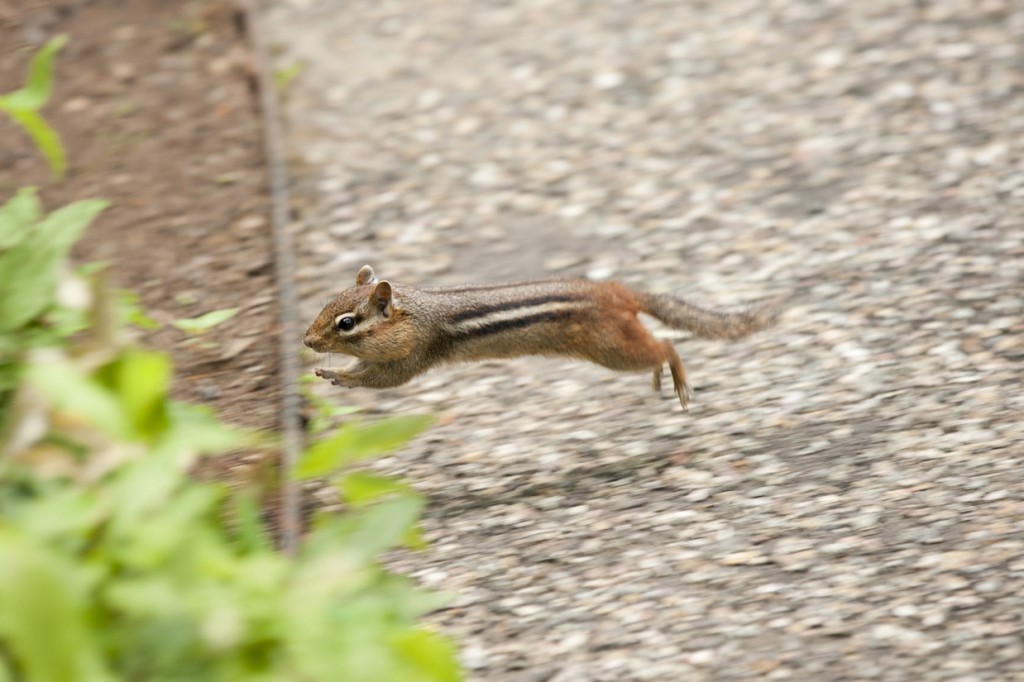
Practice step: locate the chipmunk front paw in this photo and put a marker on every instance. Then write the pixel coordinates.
(336, 378)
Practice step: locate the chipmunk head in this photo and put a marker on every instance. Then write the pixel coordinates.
(357, 322)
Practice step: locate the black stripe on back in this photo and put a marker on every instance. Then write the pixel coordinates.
(511, 305)
(508, 325)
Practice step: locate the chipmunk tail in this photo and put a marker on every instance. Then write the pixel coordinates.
(705, 323)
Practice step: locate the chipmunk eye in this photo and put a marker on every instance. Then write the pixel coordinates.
(345, 322)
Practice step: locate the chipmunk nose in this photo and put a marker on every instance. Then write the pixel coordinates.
(308, 340)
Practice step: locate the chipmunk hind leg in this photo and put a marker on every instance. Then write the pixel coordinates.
(675, 364)
(629, 346)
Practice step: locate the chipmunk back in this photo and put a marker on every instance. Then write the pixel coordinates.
(399, 331)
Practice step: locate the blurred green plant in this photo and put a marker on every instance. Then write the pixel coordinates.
(41, 304)
(23, 106)
(115, 564)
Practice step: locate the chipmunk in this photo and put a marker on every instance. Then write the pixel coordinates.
(400, 331)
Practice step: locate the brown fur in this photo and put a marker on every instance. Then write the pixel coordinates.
(401, 331)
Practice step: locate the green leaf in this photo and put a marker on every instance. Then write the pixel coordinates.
(22, 105)
(61, 228)
(360, 488)
(368, 532)
(196, 429)
(27, 285)
(430, 655)
(17, 215)
(70, 392)
(175, 514)
(61, 517)
(40, 621)
(37, 90)
(141, 379)
(412, 602)
(29, 270)
(45, 139)
(89, 269)
(413, 538)
(146, 484)
(251, 534)
(354, 442)
(145, 596)
(203, 323)
(385, 525)
(63, 322)
(133, 313)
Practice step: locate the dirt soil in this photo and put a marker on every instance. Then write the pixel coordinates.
(155, 104)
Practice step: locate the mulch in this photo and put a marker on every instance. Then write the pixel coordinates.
(156, 106)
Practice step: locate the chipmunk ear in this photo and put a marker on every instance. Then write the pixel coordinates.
(365, 276)
(382, 298)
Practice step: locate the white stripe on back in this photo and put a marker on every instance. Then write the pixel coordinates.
(518, 314)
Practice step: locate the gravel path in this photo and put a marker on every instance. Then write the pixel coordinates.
(845, 499)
